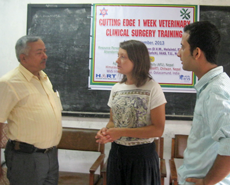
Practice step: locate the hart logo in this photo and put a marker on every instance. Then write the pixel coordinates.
(106, 76)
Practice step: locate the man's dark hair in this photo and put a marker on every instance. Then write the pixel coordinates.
(206, 36)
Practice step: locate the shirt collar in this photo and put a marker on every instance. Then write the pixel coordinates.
(28, 75)
(207, 77)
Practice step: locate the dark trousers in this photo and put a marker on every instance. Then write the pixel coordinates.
(31, 168)
(133, 165)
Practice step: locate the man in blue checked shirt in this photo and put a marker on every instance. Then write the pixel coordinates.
(207, 156)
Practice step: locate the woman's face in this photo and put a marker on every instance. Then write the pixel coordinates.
(124, 65)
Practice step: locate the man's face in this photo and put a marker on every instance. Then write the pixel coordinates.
(185, 54)
(35, 59)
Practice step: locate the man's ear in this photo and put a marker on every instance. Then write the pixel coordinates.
(197, 53)
(22, 57)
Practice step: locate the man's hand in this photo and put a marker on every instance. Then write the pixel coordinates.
(1, 172)
(1, 141)
(196, 181)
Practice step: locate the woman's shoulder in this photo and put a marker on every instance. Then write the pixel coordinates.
(152, 83)
(116, 86)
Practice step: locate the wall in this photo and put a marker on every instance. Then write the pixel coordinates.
(13, 19)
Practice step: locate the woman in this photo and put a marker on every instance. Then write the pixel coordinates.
(137, 115)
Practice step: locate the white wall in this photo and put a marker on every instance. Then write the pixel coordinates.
(13, 19)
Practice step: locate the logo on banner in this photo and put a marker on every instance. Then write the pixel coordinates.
(103, 12)
(185, 78)
(106, 76)
(152, 59)
(185, 14)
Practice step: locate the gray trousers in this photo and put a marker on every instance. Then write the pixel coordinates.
(31, 169)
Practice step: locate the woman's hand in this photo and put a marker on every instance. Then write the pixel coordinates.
(113, 134)
(102, 136)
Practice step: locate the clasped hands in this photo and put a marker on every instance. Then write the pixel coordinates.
(106, 135)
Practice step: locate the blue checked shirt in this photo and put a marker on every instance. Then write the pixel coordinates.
(210, 132)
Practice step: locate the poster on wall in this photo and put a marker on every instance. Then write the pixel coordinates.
(159, 27)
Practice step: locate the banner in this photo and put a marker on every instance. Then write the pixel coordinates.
(159, 27)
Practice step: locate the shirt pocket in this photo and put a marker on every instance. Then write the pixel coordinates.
(197, 130)
(57, 101)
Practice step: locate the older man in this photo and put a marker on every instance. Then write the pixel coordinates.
(33, 114)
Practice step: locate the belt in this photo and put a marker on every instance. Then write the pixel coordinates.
(44, 150)
(28, 148)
